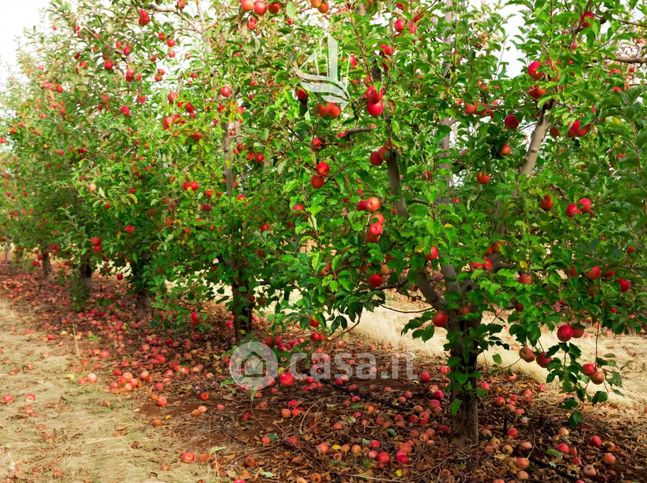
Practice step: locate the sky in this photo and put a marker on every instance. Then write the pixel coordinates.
(17, 15)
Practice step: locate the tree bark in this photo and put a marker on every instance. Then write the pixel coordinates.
(536, 139)
(466, 420)
(138, 283)
(466, 352)
(47, 263)
(243, 308)
(85, 275)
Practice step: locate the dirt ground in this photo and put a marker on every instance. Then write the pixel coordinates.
(72, 432)
(59, 430)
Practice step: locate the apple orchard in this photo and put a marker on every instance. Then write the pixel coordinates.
(172, 145)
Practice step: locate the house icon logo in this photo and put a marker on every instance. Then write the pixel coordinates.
(253, 366)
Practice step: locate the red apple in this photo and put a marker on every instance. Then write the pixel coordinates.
(595, 441)
(565, 332)
(375, 109)
(373, 204)
(323, 168)
(546, 203)
(572, 210)
(286, 379)
(527, 354)
(584, 23)
(440, 319)
(594, 273)
(375, 280)
(578, 331)
(543, 360)
(317, 181)
(482, 178)
(260, 7)
(522, 463)
(525, 278)
(187, 457)
(373, 96)
(585, 205)
(375, 229)
(597, 377)
(144, 18)
(386, 49)
(533, 70)
(511, 121)
(536, 92)
(625, 285)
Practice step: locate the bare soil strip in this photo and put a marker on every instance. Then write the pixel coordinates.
(72, 432)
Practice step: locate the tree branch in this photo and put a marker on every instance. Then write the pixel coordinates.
(395, 184)
(537, 137)
(356, 130)
(431, 294)
(631, 60)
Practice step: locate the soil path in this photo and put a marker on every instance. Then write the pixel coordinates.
(72, 432)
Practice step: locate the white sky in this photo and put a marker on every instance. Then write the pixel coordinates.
(16, 16)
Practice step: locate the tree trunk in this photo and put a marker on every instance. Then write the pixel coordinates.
(243, 309)
(85, 275)
(466, 420)
(139, 285)
(464, 353)
(47, 263)
(81, 286)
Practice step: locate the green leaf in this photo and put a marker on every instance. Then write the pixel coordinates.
(455, 406)
(600, 397)
(575, 418)
(291, 9)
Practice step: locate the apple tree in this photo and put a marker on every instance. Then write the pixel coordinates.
(450, 177)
